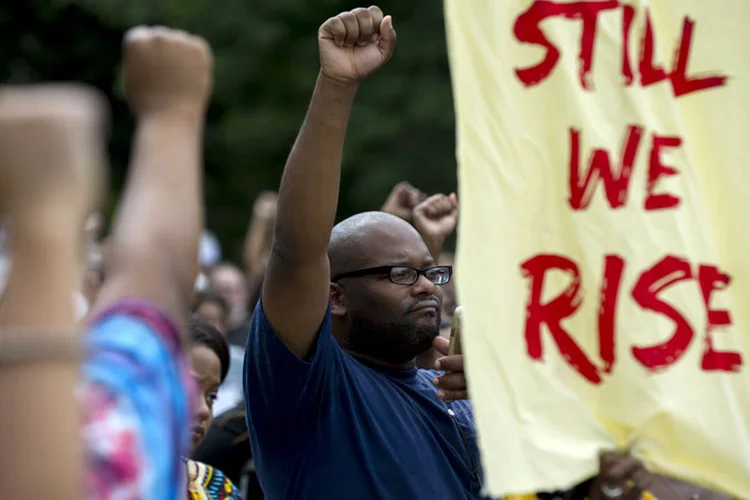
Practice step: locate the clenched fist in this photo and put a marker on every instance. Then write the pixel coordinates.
(264, 207)
(403, 199)
(167, 71)
(437, 216)
(52, 150)
(354, 44)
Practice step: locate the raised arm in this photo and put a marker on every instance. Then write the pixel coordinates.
(51, 164)
(259, 237)
(435, 219)
(352, 45)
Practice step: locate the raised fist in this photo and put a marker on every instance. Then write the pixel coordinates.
(403, 199)
(52, 151)
(167, 71)
(354, 44)
(437, 216)
(264, 207)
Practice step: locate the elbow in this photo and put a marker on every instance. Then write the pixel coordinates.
(297, 247)
(289, 266)
(291, 256)
(283, 253)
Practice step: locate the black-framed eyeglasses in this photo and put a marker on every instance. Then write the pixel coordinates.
(402, 275)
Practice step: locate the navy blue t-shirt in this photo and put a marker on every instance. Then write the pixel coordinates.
(334, 428)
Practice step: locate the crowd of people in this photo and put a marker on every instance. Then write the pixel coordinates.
(318, 368)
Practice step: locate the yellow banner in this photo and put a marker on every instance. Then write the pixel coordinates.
(604, 249)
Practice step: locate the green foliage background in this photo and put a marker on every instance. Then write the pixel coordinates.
(266, 62)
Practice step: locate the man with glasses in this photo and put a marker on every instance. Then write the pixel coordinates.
(387, 325)
(335, 404)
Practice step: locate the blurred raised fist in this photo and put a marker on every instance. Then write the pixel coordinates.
(264, 207)
(354, 44)
(437, 216)
(52, 150)
(167, 71)
(403, 199)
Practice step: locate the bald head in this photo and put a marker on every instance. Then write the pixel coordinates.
(371, 239)
(375, 316)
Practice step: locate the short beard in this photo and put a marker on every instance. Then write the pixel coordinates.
(393, 343)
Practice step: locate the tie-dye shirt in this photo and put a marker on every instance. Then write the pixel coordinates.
(136, 397)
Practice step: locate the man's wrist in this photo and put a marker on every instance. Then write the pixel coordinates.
(347, 89)
(434, 243)
(346, 85)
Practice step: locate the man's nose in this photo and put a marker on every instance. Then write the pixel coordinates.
(423, 286)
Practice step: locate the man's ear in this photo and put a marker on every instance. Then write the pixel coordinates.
(338, 301)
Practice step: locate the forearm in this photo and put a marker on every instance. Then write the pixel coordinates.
(308, 194)
(163, 227)
(38, 304)
(257, 246)
(434, 245)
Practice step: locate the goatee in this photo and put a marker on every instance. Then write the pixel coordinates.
(392, 342)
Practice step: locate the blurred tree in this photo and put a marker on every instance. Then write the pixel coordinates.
(266, 64)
